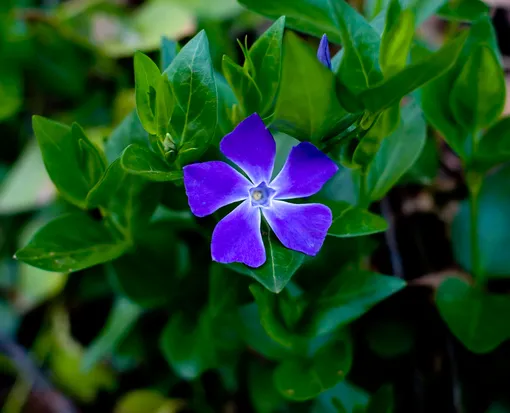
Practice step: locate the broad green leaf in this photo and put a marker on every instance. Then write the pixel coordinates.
(350, 295)
(55, 248)
(477, 318)
(266, 55)
(426, 167)
(169, 50)
(246, 90)
(264, 397)
(186, 346)
(62, 159)
(396, 40)
(91, 159)
(493, 224)
(164, 108)
(304, 379)
(494, 147)
(226, 102)
(147, 76)
(392, 90)
(129, 131)
(281, 264)
(11, 89)
(478, 100)
(107, 186)
(147, 401)
(397, 153)
(312, 111)
(359, 68)
(256, 337)
(121, 320)
(351, 221)
(143, 162)
(382, 400)
(195, 116)
(27, 185)
(464, 10)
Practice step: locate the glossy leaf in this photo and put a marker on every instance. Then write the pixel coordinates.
(11, 90)
(91, 159)
(392, 90)
(351, 221)
(464, 10)
(477, 101)
(55, 248)
(494, 147)
(311, 111)
(129, 131)
(195, 116)
(304, 379)
(281, 264)
(397, 153)
(164, 108)
(477, 318)
(169, 50)
(147, 76)
(142, 161)
(107, 186)
(352, 399)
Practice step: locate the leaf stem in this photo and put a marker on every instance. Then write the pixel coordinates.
(474, 182)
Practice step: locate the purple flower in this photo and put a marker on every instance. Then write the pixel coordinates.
(237, 237)
(323, 53)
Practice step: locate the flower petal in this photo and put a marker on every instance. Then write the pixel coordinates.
(323, 53)
(212, 185)
(301, 227)
(237, 237)
(252, 147)
(307, 169)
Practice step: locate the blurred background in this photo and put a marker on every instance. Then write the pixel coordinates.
(72, 61)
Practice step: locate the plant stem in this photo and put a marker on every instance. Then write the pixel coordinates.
(474, 185)
(363, 200)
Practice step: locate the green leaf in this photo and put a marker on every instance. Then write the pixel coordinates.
(382, 401)
(426, 167)
(478, 100)
(477, 318)
(303, 379)
(392, 90)
(493, 224)
(129, 131)
(169, 50)
(92, 159)
(311, 111)
(143, 162)
(107, 186)
(264, 397)
(464, 10)
(195, 115)
(121, 320)
(281, 264)
(396, 40)
(62, 156)
(398, 152)
(186, 346)
(147, 401)
(55, 248)
(494, 147)
(147, 76)
(11, 89)
(351, 221)
(350, 295)
(352, 399)
(359, 68)
(266, 55)
(164, 107)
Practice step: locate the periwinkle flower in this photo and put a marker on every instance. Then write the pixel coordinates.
(323, 53)
(237, 237)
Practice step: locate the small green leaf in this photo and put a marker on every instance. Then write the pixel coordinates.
(55, 248)
(147, 76)
(169, 50)
(351, 221)
(186, 346)
(392, 90)
(195, 115)
(396, 40)
(304, 379)
(63, 160)
(397, 153)
(121, 320)
(102, 192)
(164, 107)
(11, 89)
(494, 147)
(464, 10)
(352, 399)
(143, 162)
(478, 100)
(477, 318)
(312, 111)
(350, 295)
(129, 131)
(281, 264)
